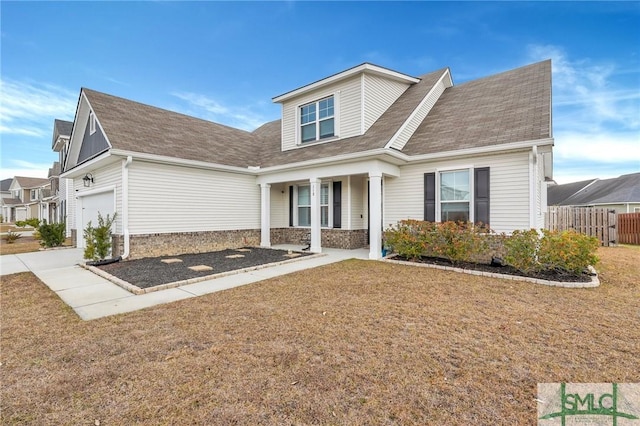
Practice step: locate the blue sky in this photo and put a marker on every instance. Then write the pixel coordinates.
(225, 61)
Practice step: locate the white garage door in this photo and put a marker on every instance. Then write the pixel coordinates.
(21, 213)
(91, 205)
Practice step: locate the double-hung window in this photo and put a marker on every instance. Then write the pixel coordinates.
(34, 194)
(317, 120)
(454, 196)
(304, 205)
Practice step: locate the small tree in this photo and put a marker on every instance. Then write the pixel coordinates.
(98, 239)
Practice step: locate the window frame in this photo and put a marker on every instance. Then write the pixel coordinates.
(438, 184)
(328, 205)
(316, 122)
(33, 194)
(92, 123)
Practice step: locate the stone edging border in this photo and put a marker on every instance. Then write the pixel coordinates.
(595, 282)
(138, 290)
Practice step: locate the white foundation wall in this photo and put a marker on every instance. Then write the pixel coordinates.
(166, 198)
(509, 190)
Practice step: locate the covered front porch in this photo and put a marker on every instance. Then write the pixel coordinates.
(338, 206)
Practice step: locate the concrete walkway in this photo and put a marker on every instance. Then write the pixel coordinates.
(93, 297)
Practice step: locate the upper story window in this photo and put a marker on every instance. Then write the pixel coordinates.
(34, 194)
(317, 120)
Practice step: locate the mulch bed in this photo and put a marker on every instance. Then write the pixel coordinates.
(549, 275)
(151, 271)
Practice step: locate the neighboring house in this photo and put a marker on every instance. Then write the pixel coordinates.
(353, 154)
(621, 193)
(5, 184)
(26, 195)
(61, 187)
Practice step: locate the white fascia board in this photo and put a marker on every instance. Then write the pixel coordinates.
(366, 67)
(154, 158)
(95, 163)
(442, 79)
(492, 149)
(373, 165)
(97, 120)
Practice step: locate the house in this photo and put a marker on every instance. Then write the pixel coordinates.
(621, 194)
(352, 154)
(5, 184)
(26, 195)
(60, 187)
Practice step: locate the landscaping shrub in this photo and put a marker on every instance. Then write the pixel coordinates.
(521, 250)
(33, 222)
(455, 241)
(568, 250)
(52, 235)
(11, 237)
(98, 239)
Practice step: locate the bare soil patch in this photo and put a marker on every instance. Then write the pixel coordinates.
(24, 244)
(152, 271)
(357, 343)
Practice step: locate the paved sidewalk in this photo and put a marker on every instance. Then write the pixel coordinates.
(93, 297)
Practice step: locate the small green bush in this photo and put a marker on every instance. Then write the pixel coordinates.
(455, 241)
(33, 222)
(52, 235)
(11, 237)
(98, 239)
(567, 250)
(521, 250)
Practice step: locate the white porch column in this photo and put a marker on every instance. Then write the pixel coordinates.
(316, 236)
(375, 215)
(265, 215)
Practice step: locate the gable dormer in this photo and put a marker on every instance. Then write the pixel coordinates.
(340, 106)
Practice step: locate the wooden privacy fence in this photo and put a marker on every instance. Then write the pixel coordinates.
(596, 222)
(629, 228)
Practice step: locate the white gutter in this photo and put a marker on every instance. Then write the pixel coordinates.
(125, 204)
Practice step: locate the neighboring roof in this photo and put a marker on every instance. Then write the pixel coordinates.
(623, 189)
(375, 137)
(5, 184)
(136, 127)
(30, 182)
(61, 128)
(55, 170)
(11, 201)
(513, 106)
(558, 193)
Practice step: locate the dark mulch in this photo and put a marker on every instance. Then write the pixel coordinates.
(550, 275)
(151, 271)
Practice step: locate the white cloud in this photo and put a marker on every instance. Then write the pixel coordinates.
(25, 168)
(596, 116)
(28, 108)
(209, 109)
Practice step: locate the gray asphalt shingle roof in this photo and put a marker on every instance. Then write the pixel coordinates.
(508, 107)
(623, 189)
(132, 126)
(31, 182)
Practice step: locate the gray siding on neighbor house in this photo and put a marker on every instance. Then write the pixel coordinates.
(92, 144)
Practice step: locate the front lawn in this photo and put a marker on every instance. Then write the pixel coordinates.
(356, 342)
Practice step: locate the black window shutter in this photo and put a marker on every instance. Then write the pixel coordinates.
(291, 205)
(430, 197)
(337, 204)
(481, 195)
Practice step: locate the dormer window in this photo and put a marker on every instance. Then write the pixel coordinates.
(317, 120)
(92, 123)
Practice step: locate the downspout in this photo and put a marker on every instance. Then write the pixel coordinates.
(533, 184)
(125, 205)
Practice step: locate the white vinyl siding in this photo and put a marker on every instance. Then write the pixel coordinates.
(279, 206)
(414, 120)
(509, 186)
(379, 94)
(106, 177)
(347, 111)
(164, 198)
